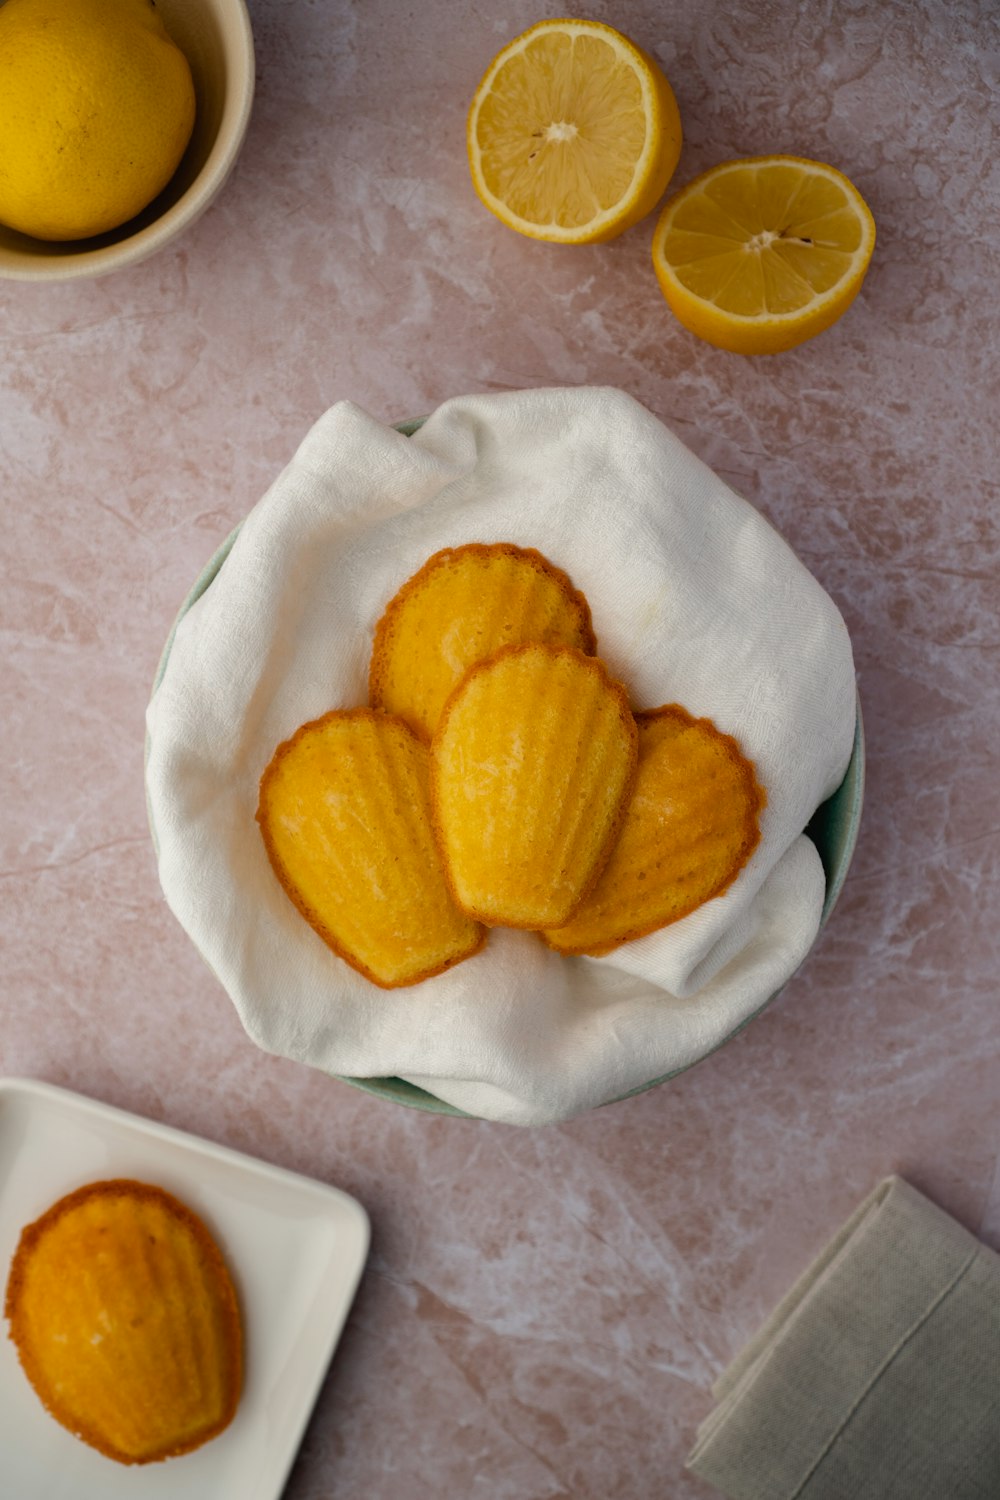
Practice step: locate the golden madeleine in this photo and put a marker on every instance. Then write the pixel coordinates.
(346, 820)
(690, 827)
(532, 763)
(126, 1321)
(463, 605)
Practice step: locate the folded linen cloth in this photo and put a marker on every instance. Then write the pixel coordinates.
(695, 600)
(877, 1377)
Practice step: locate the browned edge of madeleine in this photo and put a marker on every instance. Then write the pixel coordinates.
(594, 663)
(757, 798)
(314, 920)
(384, 626)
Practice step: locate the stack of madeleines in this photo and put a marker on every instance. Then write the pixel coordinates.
(499, 778)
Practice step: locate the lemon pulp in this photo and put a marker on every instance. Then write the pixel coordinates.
(760, 254)
(573, 133)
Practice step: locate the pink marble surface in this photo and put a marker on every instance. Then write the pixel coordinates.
(544, 1311)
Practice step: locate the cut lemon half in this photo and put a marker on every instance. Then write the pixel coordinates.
(759, 255)
(573, 133)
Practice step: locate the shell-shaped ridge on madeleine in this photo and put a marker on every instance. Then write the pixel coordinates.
(532, 764)
(346, 820)
(691, 827)
(126, 1321)
(464, 604)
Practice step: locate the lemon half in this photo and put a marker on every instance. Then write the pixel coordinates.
(760, 254)
(573, 133)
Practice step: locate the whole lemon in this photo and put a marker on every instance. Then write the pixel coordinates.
(96, 108)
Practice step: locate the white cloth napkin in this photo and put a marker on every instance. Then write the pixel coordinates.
(695, 600)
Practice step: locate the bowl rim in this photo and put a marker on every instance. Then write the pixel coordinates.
(81, 264)
(396, 1090)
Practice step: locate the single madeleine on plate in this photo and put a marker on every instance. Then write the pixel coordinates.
(463, 605)
(126, 1321)
(690, 827)
(345, 816)
(532, 763)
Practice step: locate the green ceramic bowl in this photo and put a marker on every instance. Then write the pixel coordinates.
(833, 829)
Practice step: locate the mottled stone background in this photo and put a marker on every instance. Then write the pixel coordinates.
(544, 1310)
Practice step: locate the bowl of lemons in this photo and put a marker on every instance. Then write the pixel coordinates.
(120, 120)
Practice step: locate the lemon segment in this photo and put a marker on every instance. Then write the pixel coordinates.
(573, 133)
(758, 255)
(97, 106)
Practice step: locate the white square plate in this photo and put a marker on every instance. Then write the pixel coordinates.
(295, 1248)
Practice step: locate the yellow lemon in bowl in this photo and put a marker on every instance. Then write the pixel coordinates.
(573, 133)
(96, 108)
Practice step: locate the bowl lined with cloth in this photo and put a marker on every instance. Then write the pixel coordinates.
(695, 599)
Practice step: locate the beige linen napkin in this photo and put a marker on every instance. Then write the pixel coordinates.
(695, 600)
(877, 1377)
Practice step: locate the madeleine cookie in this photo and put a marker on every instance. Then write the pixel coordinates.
(691, 826)
(126, 1321)
(345, 815)
(463, 605)
(531, 766)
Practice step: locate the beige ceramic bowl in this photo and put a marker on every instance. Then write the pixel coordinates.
(215, 37)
